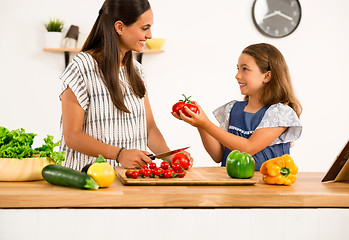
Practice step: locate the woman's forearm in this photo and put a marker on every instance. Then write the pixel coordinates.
(88, 145)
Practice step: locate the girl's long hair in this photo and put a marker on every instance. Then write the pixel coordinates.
(279, 89)
(104, 45)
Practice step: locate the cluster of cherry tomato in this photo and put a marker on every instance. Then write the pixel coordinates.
(180, 163)
(182, 103)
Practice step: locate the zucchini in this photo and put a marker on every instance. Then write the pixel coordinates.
(64, 176)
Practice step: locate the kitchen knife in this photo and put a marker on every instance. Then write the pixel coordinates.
(166, 154)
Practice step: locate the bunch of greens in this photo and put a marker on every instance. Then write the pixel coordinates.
(54, 25)
(18, 144)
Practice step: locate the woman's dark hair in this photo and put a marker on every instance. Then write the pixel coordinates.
(104, 46)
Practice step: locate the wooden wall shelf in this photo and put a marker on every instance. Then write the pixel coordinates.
(67, 52)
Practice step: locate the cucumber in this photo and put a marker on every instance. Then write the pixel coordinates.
(64, 176)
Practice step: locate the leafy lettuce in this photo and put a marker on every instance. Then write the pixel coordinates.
(18, 144)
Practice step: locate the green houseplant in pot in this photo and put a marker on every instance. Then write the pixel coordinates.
(54, 33)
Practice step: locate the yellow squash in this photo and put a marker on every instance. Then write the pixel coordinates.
(280, 171)
(102, 172)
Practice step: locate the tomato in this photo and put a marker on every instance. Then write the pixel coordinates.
(176, 166)
(152, 165)
(147, 173)
(192, 107)
(186, 102)
(135, 174)
(178, 106)
(168, 173)
(158, 171)
(144, 167)
(180, 173)
(141, 172)
(152, 173)
(182, 159)
(164, 165)
(128, 173)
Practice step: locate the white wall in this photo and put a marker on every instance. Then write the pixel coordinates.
(204, 40)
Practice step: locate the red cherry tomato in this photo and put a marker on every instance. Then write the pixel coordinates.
(176, 166)
(144, 167)
(135, 174)
(164, 165)
(152, 165)
(180, 173)
(141, 172)
(168, 173)
(191, 107)
(128, 173)
(158, 171)
(177, 106)
(147, 173)
(182, 159)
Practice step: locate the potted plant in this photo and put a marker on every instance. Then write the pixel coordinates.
(54, 33)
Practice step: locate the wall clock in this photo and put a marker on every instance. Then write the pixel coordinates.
(276, 18)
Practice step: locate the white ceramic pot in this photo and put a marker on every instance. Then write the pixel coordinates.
(53, 39)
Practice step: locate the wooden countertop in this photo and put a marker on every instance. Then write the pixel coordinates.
(308, 191)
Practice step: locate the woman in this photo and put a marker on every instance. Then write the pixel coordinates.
(105, 107)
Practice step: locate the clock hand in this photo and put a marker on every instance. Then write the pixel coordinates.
(270, 15)
(284, 15)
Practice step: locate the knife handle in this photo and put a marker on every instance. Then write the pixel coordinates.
(152, 156)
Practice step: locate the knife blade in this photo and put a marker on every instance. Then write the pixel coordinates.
(166, 154)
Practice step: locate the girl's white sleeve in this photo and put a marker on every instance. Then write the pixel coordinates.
(280, 115)
(222, 114)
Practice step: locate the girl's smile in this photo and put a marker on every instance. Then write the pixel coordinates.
(249, 76)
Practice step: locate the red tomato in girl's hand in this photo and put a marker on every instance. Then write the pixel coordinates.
(192, 107)
(177, 106)
(182, 159)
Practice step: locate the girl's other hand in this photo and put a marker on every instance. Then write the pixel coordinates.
(134, 158)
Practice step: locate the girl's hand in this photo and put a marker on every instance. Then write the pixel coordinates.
(199, 120)
(134, 158)
(176, 115)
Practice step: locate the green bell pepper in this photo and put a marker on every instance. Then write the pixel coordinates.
(240, 165)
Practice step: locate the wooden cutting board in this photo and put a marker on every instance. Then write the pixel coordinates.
(194, 176)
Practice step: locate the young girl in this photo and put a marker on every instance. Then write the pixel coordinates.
(105, 107)
(266, 122)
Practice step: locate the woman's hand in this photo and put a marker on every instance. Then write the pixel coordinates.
(134, 158)
(191, 160)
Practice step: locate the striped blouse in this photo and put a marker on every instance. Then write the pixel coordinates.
(103, 121)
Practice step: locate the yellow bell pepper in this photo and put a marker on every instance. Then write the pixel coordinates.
(279, 170)
(102, 172)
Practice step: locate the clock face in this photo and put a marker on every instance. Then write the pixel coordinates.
(276, 18)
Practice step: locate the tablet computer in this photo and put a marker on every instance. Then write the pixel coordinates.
(339, 170)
